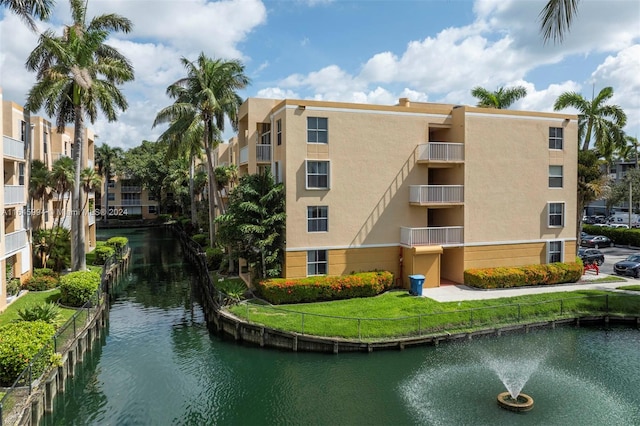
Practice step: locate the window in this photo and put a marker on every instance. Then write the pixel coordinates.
(554, 251)
(279, 131)
(112, 183)
(556, 214)
(277, 171)
(45, 141)
(317, 130)
(23, 131)
(265, 134)
(317, 219)
(20, 173)
(317, 174)
(555, 137)
(111, 197)
(555, 176)
(153, 210)
(317, 262)
(151, 197)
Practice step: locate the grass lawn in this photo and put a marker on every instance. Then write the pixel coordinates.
(630, 287)
(607, 279)
(396, 313)
(31, 299)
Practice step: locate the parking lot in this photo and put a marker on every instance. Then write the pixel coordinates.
(613, 255)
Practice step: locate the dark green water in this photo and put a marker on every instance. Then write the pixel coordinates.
(158, 365)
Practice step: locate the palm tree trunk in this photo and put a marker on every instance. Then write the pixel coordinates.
(194, 215)
(212, 194)
(106, 196)
(78, 254)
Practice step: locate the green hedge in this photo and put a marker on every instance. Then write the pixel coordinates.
(41, 283)
(214, 258)
(102, 253)
(19, 343)
(118, 244)
(508, 277)
(77, 288)
(622, 236)
(314, 289)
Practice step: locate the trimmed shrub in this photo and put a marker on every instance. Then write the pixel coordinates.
(13, 286)
(45, 272)
(47, 312)
(201, 239)
(41, 283)
(102, 253)
(77, 288)
(20, 342)
(503, 277)
(118, 244)
(314, 289)
(214, 258)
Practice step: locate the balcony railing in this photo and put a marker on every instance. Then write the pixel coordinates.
(15, 241)
(263, 152)
(244, 155)
(12, 148)
(441, 151)
(14, 194)
(130, 188)
(135, 202)
(442, 235)
(436, 194)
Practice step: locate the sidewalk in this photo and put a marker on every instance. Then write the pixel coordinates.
(457, 293)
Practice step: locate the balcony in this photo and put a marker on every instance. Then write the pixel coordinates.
(135, 202)
(130, 188)
(263, 153)
(436, 195)
(441, 153)
(441, 235)
(244, 155)
(15, 241)
(14, 194)
(12, 148)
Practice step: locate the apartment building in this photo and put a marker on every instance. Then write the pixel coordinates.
(127, 200)
(415, 188)
(15, 252)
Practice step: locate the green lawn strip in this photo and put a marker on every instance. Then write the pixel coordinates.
(607, 279)
(397, 314)
(629, 287)
(31, 299)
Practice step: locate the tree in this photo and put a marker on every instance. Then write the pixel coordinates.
(27, 10)
(205, 97)
(39, 189)
(556, 19)
(146, 166)
(596, 119)
(593, 184)
(500, 99)
(77, 73)
(254, 225)
(106, 160)
(226, 176)
(90, 182)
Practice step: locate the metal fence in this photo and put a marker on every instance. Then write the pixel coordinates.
(439, 322)
(14, 399)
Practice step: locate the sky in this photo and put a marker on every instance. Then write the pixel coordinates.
(364, 51)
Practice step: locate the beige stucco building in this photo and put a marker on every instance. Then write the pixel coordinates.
(127, 200)
(415, 188)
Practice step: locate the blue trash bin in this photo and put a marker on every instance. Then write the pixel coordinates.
(416, 284)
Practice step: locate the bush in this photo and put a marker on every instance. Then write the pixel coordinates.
(214, 258)
(45, 272)
(118, 244)
(102, 253)
(77, 288)
(202, 239)
(56, 243)
(47, 312)
(314, 289)
(20, 342)
(13, 286)
(41, 283)
(503, 277)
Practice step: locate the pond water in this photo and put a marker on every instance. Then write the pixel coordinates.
(157, 364)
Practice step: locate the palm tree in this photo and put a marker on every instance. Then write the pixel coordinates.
(205, 97)
(27, 10)
(39, 189)
(596, 119)
(556, 19)
(500, 99)
(106, 159)
(90, 182)
(77, 74)
(61, 180)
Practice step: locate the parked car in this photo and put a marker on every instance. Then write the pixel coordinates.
(596, 241)
(629, 266)
(589, 256)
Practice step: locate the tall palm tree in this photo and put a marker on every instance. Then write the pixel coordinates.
(556, 19)
(500, 99)
(90, 182)
(77, 74)
(205, 97)
(39, 189)
(27, 10)
(106, 160)
(596, 118)
(61, 180)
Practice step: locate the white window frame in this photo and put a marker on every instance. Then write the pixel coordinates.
(317, 264)
(279, 131)
(553, 252)
(315, 130)
(554, 176)
(317, 216)
(307, 175)
(550, 213)
(555, 139)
